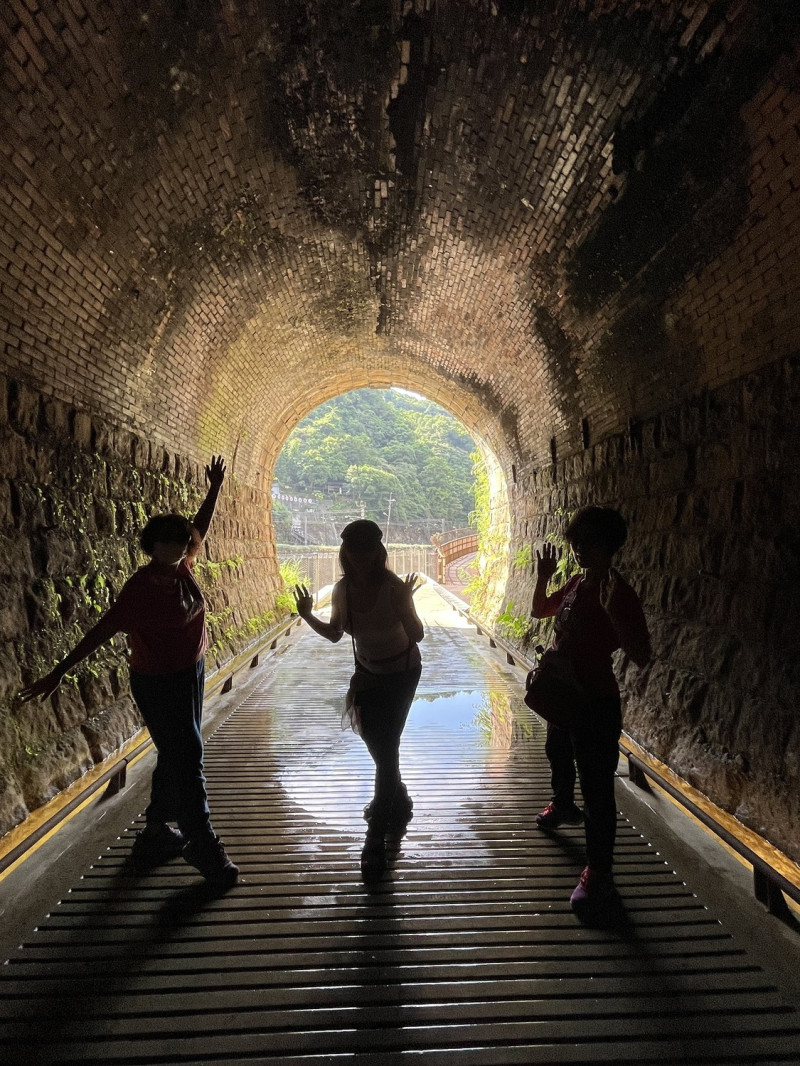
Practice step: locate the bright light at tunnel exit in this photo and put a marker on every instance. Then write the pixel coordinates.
(401, 459)
(408, 392)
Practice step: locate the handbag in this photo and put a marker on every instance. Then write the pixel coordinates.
(552, 688)
(553, 691)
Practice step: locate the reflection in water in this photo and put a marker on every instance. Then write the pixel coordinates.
(439, 742)
(499, 720)
(495, 715)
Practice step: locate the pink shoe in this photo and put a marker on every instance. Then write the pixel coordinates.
(592, 889)
(553, 816)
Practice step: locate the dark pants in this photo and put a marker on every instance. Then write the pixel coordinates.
(384, 710)
(593, 749)
(172, 708)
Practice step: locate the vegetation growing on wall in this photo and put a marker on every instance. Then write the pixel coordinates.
(517, 624)
(76, 493)
(227, 636)
(492, 546)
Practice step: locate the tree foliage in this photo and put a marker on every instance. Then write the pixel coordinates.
(373, 443)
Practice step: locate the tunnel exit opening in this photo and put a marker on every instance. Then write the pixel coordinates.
(405, 461)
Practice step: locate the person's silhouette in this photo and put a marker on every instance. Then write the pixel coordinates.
(596, 613)
(375, 606)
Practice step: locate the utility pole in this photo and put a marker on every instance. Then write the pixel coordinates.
(389, 519)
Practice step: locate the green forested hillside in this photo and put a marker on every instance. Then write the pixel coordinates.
(374, 443)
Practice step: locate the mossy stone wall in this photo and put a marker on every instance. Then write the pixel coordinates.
(74, 493)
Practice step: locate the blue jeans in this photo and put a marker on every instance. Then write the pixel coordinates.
(172, 708)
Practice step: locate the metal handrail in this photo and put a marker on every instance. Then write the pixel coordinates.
(770, 886)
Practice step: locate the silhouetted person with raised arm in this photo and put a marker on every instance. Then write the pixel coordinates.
(596, 613)
(162, 611)
(375, 607)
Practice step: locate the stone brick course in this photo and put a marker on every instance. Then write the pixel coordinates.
(714, 551)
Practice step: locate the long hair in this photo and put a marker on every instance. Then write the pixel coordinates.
(380, 564)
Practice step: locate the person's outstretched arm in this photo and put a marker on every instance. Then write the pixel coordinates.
(91, 641)
(215, 475)
(304, 601)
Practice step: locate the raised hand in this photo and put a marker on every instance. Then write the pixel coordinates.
(410, 585)
(44, 687)
(546, 561)
(215, 471)
(303, 600)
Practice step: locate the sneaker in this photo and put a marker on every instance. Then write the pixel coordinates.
(592, 889)
(553, 816)
(157, 843)
(207, 854)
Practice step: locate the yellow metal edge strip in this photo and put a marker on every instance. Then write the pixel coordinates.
(777, 859)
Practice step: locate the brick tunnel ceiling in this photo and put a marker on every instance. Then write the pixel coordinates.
(247, 208)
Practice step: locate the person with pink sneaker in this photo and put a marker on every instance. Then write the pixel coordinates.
(162, 611)
(596, 613)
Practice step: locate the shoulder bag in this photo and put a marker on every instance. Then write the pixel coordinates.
(552, 688)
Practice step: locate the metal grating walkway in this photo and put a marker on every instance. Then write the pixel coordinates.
(467, 953)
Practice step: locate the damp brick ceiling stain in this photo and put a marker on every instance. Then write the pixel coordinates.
(543, 216)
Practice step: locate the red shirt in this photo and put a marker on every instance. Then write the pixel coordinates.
(162, 611)
(583, 629)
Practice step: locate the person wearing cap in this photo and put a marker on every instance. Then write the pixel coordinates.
(375, 607)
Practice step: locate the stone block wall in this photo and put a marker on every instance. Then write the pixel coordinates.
(711, 492)
(75, 491)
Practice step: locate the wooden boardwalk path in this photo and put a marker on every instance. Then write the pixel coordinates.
(466, 952)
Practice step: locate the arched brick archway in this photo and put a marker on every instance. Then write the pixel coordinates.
(483, 426)
(572, 225)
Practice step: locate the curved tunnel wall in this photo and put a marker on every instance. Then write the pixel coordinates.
(575, 226)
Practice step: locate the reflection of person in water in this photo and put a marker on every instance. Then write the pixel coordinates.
(376, 608)
(596, 613)
(161, 609)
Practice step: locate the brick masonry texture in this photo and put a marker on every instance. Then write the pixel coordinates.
(573, 224)
(711, 492)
